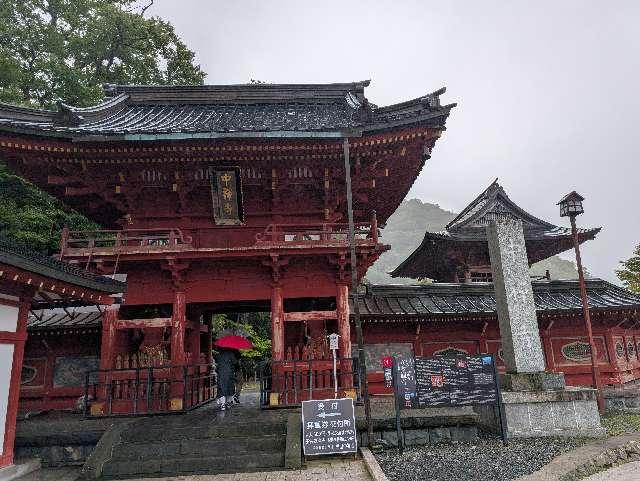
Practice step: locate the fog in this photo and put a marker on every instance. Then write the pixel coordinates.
(546, 91)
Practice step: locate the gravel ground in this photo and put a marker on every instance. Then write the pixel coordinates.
(620, 422)
(486, 460)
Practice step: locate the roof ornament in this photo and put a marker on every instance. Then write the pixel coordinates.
(67, 116)
(362, 109)
(110, 90)
(432, 100)
(353, 101)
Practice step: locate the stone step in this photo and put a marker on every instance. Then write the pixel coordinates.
(222, 430)
(193, 465)
(200, 447)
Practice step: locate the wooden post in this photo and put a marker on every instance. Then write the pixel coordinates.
(595, 369)
(108, 343)
(178, 324)
(277, 343)
(16, 340)
(277, 323)
(107, 358)
(344, 331)
(209, 345)
(354, 286)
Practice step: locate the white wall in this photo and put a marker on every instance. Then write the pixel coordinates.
(6, 363)
(8, 318)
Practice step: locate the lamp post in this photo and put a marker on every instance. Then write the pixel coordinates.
(571, 206)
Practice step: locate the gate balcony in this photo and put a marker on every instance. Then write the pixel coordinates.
(214, 240)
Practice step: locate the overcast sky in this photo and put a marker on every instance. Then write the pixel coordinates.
(547, 91)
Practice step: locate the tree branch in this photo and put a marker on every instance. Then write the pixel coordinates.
(144, 9)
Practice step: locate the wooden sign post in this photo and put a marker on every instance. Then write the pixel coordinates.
(329, 427)
(333, 345)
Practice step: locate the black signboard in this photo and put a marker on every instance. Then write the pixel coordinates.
(328, 427)
(457, 380)
(406, 381)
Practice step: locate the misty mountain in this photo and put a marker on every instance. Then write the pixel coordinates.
(404, 232)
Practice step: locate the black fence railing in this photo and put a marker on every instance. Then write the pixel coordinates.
(288, 383)
(148, 390)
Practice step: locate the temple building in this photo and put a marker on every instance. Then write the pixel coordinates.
(28, 281)
(219, 199)
(460, 253)
(455, 309)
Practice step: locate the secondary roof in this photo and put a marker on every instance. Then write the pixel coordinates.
(464, 242)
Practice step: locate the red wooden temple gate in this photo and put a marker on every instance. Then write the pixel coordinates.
(219, 196)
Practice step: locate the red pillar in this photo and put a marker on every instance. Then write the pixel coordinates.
(108, 344)
(277, 324)
(344, 331)
(195, 345)
(107, 358)
(178, 328)
(209, 345)
(178, 325)
(277, 343)
(17, 339)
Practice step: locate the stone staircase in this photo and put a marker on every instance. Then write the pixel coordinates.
(242, 439)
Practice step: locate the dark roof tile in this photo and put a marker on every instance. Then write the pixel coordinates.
(433, 301)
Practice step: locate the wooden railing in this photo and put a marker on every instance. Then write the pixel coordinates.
(288, 383)
(81, 242)
(114, 242)
(148, 390)
(365, 232)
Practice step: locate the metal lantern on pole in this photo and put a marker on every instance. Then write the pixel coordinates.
(571, 206)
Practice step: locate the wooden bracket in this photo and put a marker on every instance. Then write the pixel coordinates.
(276, 264)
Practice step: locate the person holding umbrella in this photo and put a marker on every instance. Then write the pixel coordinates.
(227, 362)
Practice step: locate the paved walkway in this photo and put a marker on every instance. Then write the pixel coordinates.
(52, 474)
(329, 470)
(625, 472)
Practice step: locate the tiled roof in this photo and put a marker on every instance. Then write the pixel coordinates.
(17, 256)
(65, 318)
(438, 300)
(225, 110)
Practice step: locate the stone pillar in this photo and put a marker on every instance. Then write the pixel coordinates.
(516, 307)
(535, 402)
(344, 331)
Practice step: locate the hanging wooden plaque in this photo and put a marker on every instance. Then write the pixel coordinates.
(226, 195)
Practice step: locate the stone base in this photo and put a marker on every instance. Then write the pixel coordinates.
(534, 381)
(18, 470)
(421, 437)
(569, 412)
(623, 397)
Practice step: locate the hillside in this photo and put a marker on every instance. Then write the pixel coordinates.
(405, 230)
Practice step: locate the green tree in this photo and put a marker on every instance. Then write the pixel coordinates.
(66, 49)
(54, 50)
(32, 217)
(630, 273)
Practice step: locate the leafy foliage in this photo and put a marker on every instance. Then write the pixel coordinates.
(256, 325)
(32, 217)
(630, 273)
(65, 49)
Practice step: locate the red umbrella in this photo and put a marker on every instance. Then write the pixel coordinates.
(234, 342)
